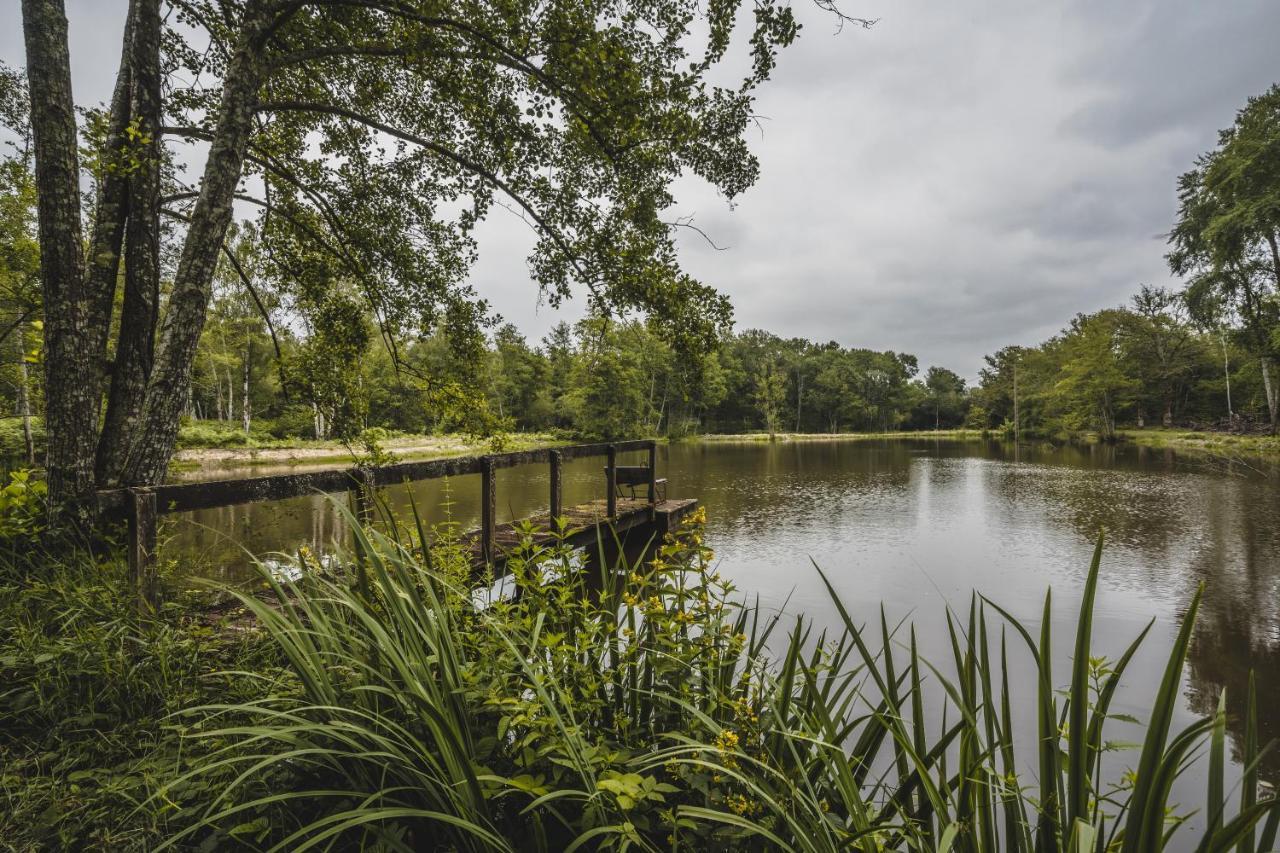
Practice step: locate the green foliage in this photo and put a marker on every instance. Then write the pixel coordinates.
(87, 684)
(1093, 383)
(22, 510)
(223, 434)
(645, 709)
(1225, 237)
(12, 443)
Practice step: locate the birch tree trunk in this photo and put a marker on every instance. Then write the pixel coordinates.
(136, 344)
(248, 355)
(1269, 387)
(24, 398)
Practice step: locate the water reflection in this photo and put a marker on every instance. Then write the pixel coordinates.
(918, 524)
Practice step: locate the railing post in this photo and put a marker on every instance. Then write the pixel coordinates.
(488, 509)
(611, 480)
(653, 473)
(557, 487)
(141, 512)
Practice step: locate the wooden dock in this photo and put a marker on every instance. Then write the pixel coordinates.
(636, 523)
(615, 520)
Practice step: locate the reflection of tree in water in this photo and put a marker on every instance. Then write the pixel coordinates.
(215, 544)
(1211, 521)
(1239, 625)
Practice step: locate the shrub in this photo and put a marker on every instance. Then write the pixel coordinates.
(296, 421)
(645, 710)
(22, 512)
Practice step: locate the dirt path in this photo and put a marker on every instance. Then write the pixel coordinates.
(196, 461)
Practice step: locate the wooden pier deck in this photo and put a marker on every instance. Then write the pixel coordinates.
(585, 525)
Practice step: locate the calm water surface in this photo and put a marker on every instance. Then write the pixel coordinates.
(918, 525)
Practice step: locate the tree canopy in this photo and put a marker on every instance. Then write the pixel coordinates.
(366, 139)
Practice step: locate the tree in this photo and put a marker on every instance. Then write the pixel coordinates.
(1162, 345)
(20, 309)
(769, 394)
(1227, 234)
(945, 392)
(379, 132)
(1093, 384)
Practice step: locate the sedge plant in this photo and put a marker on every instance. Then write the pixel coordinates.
(617, 704)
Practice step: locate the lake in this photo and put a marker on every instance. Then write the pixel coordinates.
(918, 524)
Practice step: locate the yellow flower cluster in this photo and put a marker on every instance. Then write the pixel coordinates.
(740, 805)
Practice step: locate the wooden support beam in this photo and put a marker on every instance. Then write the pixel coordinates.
(653, 473)
(611, 482)
(140, 510)
(557, 486)
(488, 509)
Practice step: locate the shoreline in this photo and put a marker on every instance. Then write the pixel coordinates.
(304, 456)
(753, 437)
(1220, 444)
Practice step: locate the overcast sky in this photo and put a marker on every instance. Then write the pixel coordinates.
(963, 176)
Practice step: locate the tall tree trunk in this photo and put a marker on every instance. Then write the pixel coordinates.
(24, 398)
(217, 389)
(1269, 387)
(135, 348)
(1226, 372)
(248, 354)
(71, 404)
(171, 377)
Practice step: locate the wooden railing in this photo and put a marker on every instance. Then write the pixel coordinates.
(141, 507)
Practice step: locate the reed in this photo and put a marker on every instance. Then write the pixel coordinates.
(644, 707)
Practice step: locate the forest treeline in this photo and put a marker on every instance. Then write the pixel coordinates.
(292, 361)
(1151, 362)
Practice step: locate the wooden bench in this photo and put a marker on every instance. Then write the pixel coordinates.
(635, 477)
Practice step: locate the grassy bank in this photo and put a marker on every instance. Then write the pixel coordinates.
(378, 703)
(840, 436)
(1215, 443)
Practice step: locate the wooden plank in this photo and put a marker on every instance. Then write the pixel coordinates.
(488, 510)
(611, 481)
(653, 472)
(362, 496)
(557, 485)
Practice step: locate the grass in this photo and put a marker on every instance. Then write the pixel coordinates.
(87, 686)
(843, 436)
(1214, 443)
(647, 710)
(380, 701)
(199, 451)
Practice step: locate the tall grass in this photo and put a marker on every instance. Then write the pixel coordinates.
(640, 707)
(87, 686)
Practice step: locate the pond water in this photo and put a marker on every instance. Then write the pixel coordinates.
(917, 525)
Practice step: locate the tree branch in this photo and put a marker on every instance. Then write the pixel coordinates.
(465, 162)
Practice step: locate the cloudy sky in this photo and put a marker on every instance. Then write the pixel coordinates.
(964, 175)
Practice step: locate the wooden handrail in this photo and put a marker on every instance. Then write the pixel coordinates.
(141, 507)
(209, 494)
